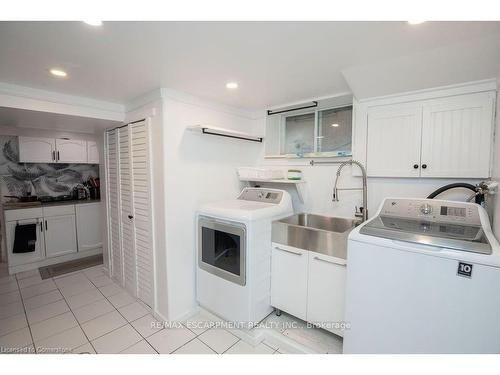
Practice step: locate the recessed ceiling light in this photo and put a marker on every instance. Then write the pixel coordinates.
(93, 23)
(231, 85)
(58, 72)
(335, 125)
(415, 22)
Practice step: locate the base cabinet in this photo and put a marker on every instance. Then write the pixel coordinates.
(326, 292)
(289, 280)
(309, 285)
(60, 235)
(88, 226)
(24, 258)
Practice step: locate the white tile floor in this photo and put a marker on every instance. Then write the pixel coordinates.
(85, 312)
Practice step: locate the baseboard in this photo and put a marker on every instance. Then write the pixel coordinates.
(49, 261)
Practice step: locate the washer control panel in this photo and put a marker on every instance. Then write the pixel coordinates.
(261, 195)
(432, 210)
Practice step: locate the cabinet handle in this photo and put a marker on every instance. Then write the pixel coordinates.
(58, 157)
(329, 261)
(424, 166)
(130, 217)
(415, 166)
(53, 155)
(46, 226)
(288, 251)
(41, 226)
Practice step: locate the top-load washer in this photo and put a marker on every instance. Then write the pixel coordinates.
(234, 254)
(423, 276)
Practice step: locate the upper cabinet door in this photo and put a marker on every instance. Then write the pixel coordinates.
(37, 150)
(92, 152)
(71, 151)
(393, 141)
(457, 136)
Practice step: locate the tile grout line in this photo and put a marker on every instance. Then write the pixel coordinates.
(130, 323)
(26, 315)
(77, 322)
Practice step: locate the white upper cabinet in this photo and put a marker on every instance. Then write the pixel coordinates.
(92, 152)
(51, 150)
(393, 147)
(440, 137)
(457, 135)
(37, 150)
(71, 151)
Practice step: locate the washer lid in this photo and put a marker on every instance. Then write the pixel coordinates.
(448, 235)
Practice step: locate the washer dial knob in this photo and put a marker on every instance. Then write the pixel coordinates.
(426, 209)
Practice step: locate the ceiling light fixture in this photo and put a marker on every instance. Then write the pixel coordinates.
(93, 23)
(415, 22)
(58, 72)
(231, 85)
(335, 125)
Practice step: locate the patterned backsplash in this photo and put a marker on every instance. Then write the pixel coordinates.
(38, 178)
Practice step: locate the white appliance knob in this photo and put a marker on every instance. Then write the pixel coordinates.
(426, 209)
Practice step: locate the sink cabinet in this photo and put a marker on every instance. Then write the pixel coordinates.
(308, 285)
(289, 280)
(326, 291)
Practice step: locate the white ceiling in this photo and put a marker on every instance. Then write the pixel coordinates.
(273, 62)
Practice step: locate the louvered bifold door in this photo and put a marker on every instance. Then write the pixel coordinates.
(113, 205)
(127, 223)
(143, 224)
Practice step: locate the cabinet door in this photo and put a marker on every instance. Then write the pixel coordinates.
(289, 280)
(71, 151)
(457, 136)
(92, 152)
(393, 142)
(88, 226)
(60, 235)
(127, 234)
(16, 259)
(113, 208)
(326, 292)
(142, 220)
(37, 150)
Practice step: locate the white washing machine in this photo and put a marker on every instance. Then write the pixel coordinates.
(423, 276)
(234, 253)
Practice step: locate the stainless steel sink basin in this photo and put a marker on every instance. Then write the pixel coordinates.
(322, 234)
(331, 224)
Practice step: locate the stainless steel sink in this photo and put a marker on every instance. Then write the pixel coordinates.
(322, 234)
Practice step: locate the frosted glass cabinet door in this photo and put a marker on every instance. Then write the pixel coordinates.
(457, 136)
(394, 134)
(71, 151)
(37, 150)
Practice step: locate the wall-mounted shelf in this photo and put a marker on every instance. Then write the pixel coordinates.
(299, 184)
(221, 132)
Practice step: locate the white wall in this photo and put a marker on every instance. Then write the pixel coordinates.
(198, 169)
(319, 188)
(496, 168)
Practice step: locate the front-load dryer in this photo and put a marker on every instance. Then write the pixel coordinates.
(234, 254)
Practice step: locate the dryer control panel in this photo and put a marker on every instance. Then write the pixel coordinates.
(261, 195)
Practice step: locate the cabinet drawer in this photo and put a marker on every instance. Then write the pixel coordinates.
(59, 210)
(23, 213)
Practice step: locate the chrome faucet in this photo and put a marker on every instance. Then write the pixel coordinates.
(363, 211)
